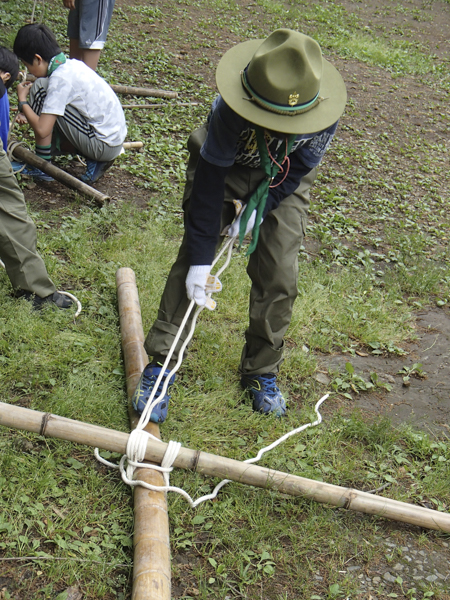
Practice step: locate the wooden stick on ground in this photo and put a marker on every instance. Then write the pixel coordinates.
(151, 570)
(226, 468)
(138, 91)
(134, 91)
(30, 158)
(159, 105)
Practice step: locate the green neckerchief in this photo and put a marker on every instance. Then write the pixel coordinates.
(56, 62)
(259, 197)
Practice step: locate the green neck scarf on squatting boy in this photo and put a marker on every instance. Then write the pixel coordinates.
(56, 62)
(259, 197)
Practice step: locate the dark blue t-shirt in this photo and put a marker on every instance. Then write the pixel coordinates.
(232, 139)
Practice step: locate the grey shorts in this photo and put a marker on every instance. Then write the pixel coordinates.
(89, 21)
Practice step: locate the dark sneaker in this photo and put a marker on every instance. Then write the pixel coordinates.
(144, 389)
(35, 173)
(95, 169)
(267, 398)
(59, 300)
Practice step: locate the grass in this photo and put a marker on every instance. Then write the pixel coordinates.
(378, 237)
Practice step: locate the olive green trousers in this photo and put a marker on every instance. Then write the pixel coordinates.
(24, 267)
(272, 268)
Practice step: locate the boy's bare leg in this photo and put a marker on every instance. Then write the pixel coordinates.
(43, 141)
(89, 57)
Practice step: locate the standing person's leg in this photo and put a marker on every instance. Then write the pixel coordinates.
(174, 301)
(273, 270)
(87, 28)
(24, 267)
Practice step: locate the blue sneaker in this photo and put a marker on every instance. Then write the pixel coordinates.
(35, 174)
(267, 398)
(17, 166)
(145, 387)
(94, 170)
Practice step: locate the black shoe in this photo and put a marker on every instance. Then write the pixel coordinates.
(59, 300)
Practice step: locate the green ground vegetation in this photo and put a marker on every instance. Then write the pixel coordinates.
(381, 251)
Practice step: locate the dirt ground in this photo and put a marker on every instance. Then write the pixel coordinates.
(423, 401)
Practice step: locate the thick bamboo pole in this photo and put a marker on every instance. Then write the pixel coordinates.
(72, 182)
(225, 468)
(151, 570)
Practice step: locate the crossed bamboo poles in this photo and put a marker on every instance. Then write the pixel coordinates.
(151, 571)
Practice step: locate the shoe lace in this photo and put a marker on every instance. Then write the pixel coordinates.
(150, 380)
(90, 167)
(268, 383)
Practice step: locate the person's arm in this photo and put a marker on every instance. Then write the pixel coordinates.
(205, 211)
(217, 155)
(70, 4)
(42, 125)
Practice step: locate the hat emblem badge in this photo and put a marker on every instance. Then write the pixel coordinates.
(293, 99)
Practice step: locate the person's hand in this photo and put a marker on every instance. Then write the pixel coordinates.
(70, 4)
(233, 230)
(196, 280)
(23, 89)
(21, 119)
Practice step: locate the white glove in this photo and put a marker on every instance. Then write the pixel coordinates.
(233, 230)
(196, 283)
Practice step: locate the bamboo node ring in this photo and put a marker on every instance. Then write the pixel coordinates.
(45, 420)
(195, 461)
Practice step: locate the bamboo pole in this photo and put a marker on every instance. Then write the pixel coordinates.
(138, 91)
(151, 568)
(129, 145)
(226, 468)
(72, 182)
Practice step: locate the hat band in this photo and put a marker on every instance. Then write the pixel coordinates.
(281, 109)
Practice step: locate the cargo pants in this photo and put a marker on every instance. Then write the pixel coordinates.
(272, 268)
(24, 267)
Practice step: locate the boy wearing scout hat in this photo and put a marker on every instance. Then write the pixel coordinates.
(267, 131)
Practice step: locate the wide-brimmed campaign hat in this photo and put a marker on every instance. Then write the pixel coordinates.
(282, 83)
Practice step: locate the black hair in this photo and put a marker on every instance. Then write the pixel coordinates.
(9, 63)
(36, 38)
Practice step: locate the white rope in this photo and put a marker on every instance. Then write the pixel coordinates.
(10, 149)
(75, 299)
(152, 401)
(137, 442)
